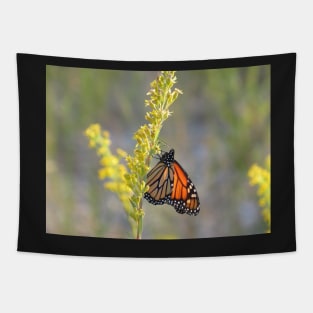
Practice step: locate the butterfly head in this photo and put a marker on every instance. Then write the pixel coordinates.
(168, 157)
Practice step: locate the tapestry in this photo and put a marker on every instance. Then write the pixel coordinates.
(156, 159)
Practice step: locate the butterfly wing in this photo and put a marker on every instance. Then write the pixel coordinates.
(160, 181)
(184, 197)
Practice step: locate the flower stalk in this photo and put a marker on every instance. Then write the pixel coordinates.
(129, 182)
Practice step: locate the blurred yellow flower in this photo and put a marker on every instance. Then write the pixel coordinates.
(109, 160)
(262, 177)
(111, 168)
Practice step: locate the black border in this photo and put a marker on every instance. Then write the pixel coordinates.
(32, 235)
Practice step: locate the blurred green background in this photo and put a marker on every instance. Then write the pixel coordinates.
(220, 127)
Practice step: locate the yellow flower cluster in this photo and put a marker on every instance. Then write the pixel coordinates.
(129, 184)
(147, 136)
(112, 169)
(262, 178)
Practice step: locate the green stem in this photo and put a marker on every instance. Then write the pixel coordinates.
(140, 217)
(139, 222)
(139, 228)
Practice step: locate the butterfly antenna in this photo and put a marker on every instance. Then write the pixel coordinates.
(163, 143)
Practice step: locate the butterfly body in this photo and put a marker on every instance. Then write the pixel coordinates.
(170, 184)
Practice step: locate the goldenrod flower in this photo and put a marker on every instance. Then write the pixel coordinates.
(111, 170)
(129, 183)
(262, 177)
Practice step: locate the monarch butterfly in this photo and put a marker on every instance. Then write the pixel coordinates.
(169, 183)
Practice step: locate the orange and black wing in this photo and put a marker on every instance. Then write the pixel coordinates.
(184, 197)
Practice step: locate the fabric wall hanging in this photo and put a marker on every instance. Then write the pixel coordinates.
(156, 159)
